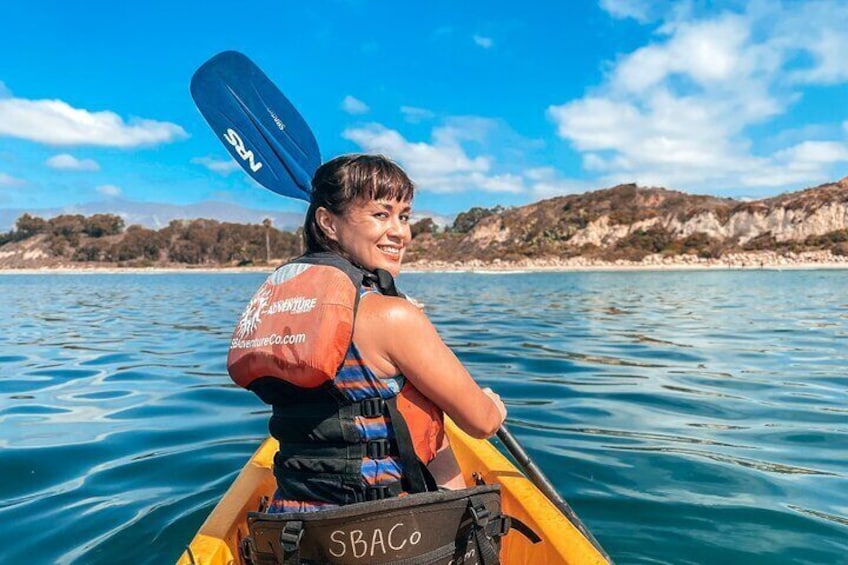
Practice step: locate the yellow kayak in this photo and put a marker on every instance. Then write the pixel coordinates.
(562, 543)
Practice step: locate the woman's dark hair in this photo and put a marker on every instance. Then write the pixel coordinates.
(339, 183)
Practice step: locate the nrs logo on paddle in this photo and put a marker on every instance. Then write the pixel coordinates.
(234, 139)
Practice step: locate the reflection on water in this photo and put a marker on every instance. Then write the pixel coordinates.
(687, 417)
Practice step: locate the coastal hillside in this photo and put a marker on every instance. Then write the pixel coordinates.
(628, 222)
(625, 223)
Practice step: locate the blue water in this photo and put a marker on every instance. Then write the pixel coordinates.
(687, 417)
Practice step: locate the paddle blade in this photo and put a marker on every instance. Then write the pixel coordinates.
(257, 124)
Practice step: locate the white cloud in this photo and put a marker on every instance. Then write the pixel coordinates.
(220, 166)
(353, 105)
(444, 157)
(67, 162)
(678, 111)
(415, 115)
(623, 9)
(483, 41)
(805, 162)
(443, 165)
(707, 52)
(496, 183)
(545, 182)
(55, 122)
(816, 30)
(109, 190)
(9, 180)
(4, 90)
(815, 152)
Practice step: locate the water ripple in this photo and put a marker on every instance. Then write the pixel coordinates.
(687, 417)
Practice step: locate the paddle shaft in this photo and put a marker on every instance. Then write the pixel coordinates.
(538, 478)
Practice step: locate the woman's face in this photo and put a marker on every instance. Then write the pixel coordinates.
(373, 233)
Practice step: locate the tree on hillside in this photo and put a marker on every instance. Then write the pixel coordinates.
(28, 226)
(99, 225)
(138, 243)
(465, 221)
(427, 225)
(267, 223)
(64, 232)
(67, 224)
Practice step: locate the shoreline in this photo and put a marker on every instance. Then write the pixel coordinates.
(734, 262)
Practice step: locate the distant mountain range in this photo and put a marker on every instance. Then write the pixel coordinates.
(157, 215)
(625, 222)
(631, 222)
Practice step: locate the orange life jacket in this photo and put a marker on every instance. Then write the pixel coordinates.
(293, 348)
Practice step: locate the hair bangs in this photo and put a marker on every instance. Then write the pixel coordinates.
(379, 178)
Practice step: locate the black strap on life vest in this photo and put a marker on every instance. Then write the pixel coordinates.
(320, 453)
(379, 278)
(418, 478)
(463, 526)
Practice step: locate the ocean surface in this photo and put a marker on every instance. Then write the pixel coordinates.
(688, 417)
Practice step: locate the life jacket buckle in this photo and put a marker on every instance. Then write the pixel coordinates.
(378, 448)
(291, 535)
(372, 407)
(377, 492)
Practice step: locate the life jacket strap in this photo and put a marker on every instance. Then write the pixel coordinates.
(416, 476)
(383, 280)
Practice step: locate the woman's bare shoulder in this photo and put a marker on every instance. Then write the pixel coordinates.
(393, 311)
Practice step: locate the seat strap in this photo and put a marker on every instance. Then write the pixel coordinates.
(508, 523)
(480, 516)
(288, 552)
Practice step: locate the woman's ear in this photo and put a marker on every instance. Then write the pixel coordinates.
(327, 222)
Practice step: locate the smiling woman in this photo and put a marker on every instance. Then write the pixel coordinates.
(360, 209)
(359, 397)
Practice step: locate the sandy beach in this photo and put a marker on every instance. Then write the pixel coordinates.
(739, 261)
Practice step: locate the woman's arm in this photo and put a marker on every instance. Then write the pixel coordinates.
(401, 337)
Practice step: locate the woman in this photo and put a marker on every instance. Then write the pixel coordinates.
(360, 210)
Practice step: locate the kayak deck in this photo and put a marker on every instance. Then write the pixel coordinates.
(216, 543)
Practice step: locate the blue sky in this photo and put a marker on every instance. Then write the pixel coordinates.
(484, 103)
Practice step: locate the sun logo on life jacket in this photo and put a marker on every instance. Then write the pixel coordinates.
(252, 315)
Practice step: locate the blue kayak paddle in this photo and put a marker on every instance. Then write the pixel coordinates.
(257, 124)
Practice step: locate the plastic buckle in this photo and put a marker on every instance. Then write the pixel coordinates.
(246, 551)
(378, 448)
(480, 514)
(372, 407)
(291, 535)
(377, 492)
(502, 526)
